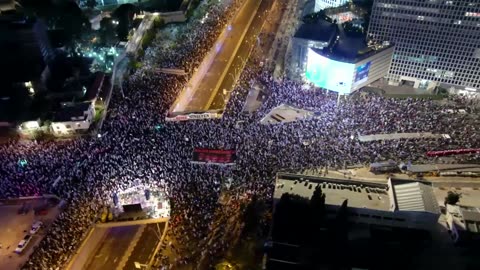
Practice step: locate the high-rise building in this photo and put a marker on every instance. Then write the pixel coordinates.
(24, 47)
(437, 42)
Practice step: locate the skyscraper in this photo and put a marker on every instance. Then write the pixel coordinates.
(437, 42)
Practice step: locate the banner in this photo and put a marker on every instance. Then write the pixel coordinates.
(194, 116)
(212, 156)
(453, 152)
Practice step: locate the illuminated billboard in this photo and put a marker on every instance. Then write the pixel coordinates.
(362, 73)
(329, 74)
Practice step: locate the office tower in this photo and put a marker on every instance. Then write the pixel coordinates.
(437, 42)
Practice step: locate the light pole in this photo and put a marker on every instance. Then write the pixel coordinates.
(242, 59)
(225, 93)
(141, 266)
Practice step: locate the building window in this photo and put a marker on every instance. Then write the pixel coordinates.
(68, 126)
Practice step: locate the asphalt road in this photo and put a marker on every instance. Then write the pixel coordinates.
(113, 247)
(203, 92)
(248, 42)
(145, 246)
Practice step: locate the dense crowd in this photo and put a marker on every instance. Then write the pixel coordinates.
(131, 149)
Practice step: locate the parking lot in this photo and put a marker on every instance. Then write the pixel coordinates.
(14, 228)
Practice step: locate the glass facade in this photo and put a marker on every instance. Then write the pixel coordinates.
(435, 40)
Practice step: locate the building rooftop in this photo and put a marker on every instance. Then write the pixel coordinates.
(95, 86)
(465, 217)
(321, 31)
(421, 168)
(408, 195)
(342, 46)
(414, 196)
(75, 112)
(7, 6)
(359, 194)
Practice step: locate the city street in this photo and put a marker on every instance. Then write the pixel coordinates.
(109, 254)
(146, 245)
(243, 53)
(198, 97)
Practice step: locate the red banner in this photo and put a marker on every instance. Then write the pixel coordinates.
(215, 156)
(453, 152)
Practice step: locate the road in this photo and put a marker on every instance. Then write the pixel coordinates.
(199, 97)
(136, 39)
(110, 252)
(146, 245)
(243, 53)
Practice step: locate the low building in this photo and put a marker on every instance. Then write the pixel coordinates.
(73, 118)
(463, 223)
(400, 203)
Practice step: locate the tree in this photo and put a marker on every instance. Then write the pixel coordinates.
(452, 198)
(106, 31)
(158, 22)
(124, 15)
(317, 206)
(339, 237)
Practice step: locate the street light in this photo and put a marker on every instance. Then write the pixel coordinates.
(141, 265)
(243, 59)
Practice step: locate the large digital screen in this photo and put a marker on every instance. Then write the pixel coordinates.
(329, 74)
(362, 73)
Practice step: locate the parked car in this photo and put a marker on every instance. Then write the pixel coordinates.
(35, 227)
(21, 246)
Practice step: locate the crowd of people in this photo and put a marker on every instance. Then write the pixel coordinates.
(137, 146)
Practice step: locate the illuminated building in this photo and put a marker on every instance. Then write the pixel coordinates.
(317, 5)
(326, 56)
(72, 118)
(436, 42)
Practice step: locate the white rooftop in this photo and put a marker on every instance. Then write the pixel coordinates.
(415, 196)
(358, 195)
(465, 217)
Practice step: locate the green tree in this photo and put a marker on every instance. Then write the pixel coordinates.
(158, 22)
(124, 15)
(107, 31)
(452, 198)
